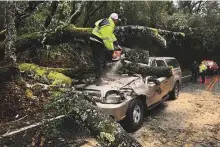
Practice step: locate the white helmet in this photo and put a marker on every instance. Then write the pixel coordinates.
(114, 16)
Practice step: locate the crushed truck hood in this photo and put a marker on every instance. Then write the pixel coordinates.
(120, 81)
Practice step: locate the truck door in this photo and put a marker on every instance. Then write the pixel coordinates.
(157, 91)
(154, 92)
(165, 83)
(177, 73)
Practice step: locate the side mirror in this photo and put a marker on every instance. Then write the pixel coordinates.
(153, 79)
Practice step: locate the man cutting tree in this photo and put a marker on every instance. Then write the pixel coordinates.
(104, 45)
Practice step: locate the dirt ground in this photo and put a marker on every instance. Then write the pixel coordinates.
(191, 120)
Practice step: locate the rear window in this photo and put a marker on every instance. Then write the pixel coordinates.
(172, 62)
(154, 63)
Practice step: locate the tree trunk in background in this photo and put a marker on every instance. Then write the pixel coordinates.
(25, 10)
(53, 9)
(9, 71)
(10, 94)
(78, 12)
(91, 9)
(11, 33)
(121, 14)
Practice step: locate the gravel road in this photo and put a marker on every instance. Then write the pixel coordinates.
(191, 120)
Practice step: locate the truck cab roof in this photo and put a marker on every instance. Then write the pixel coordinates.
(150, 58)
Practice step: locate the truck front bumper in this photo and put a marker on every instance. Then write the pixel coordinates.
(116, 111)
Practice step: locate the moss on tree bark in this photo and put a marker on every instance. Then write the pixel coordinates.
(46, 75)
(128, 36)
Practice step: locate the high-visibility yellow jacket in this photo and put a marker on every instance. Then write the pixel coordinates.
(104, 29)
(202, 67)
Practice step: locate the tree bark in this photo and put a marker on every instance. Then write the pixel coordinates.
(129, 36)
(144, 35)
(144, 70)
(105, 130)
(26, 11)
(91, 9)
(78, 12)
(11, 33)
(121, 13)
(136, 56)
(53, 9)
(22, 13)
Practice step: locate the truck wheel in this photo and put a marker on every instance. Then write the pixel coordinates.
(135, 115)
(175, 92)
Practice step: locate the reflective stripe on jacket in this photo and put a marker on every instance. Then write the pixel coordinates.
(202, 68)
(104, 29)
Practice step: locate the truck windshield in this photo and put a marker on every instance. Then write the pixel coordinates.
(160, 63)
(172, 62)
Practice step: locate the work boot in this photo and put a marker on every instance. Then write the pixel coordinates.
(98, 82)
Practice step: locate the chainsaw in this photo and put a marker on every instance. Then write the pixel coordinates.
(116, 56)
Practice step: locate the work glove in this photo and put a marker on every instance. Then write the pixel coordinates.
(117, 48)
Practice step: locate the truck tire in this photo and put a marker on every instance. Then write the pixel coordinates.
(175, 92)
(135, 116)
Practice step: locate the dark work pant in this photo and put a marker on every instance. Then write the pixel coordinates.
(100, 57)
(194, 77)
(202, 74)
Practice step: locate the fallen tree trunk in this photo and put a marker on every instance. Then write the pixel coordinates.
(126, 68)
(136, 56)
(170, 34)
(105, 130)
(45, 75)
(71, 34)
(143, 35)
(135, 68)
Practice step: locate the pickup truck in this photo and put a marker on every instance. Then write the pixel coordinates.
(127, 98)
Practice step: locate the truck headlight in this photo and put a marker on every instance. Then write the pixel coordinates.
(113, 97)
(95, 94)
